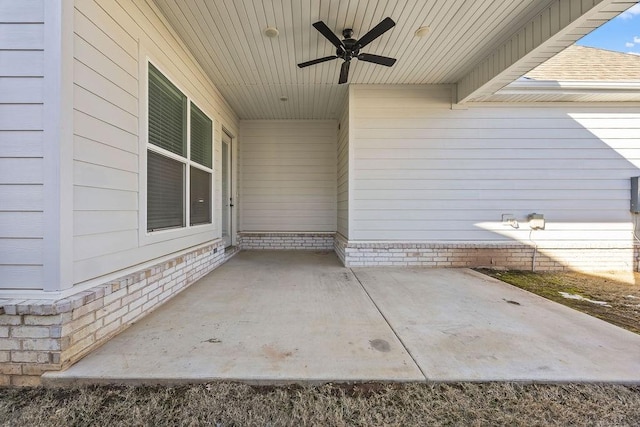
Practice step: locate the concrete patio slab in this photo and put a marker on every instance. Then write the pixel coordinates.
(263, 317)
(280, 317)
(460, 325)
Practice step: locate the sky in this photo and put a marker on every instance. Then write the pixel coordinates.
(621, 34)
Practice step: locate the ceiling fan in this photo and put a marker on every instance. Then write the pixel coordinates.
(349, 48)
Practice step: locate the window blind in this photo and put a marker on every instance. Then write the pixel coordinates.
(167, 114)
(165, 192)
(200, 193)
(201, 137)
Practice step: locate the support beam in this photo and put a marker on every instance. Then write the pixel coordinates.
(559, 25)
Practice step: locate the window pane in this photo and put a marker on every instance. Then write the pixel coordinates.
(167, 114)
(165, 192)
(200, 137)
(200, 196)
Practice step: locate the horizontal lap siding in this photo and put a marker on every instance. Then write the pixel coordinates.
(425, 171)
(21, 143)
(106, 120)
(288, 175)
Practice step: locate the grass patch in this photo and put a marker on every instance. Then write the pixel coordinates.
(622, 298)
(231, 404)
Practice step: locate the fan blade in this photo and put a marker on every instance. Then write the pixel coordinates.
(377, 59)
(329, 35)
(375, 32)
(317, 61)
(344, 72)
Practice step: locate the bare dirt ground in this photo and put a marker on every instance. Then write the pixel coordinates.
(614, 298)
(228, 404)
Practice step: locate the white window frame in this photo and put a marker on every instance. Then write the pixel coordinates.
(151, 237)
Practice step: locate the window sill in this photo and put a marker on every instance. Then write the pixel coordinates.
(150, 238)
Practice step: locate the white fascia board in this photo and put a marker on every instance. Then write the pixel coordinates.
(538, 87)
(562, 23)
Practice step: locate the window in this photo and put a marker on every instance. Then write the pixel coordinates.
(179, 156)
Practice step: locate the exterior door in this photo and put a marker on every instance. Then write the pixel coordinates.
(227, 199)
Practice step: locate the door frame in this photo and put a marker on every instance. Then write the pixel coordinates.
(233, 220)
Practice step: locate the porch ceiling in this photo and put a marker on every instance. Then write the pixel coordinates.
(253, 72)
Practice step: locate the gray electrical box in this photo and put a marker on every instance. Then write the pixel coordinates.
(635, 194)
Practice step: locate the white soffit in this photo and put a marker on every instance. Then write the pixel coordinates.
(254, 71)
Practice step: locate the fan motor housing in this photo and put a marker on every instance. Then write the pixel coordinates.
(351, 49)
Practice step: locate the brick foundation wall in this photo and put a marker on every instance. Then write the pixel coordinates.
(339, 246)
(286, 241)
(41, 335)
(516, 256)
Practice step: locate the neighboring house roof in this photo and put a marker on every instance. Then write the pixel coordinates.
(581, 63)
(578, 74)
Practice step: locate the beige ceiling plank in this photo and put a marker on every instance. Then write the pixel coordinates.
(315, 110)
(344, 14)
(270, 102)
(330, 17)
(403, 43)
(485, 35)
(472, 28)
(287, 27)
(397, 42)
(321, 44)
(371, 16)
(448, 15)
(323, 101)
(310, 14)
(320, 100)
(381, 46)
(241, 108)
(222, 55)
(217, 56)
(251, 18)
(199, 45)
(273, 45)
(294, 33)
(573, 17)
(248, 40)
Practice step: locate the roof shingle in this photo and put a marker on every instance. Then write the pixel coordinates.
(581, 63)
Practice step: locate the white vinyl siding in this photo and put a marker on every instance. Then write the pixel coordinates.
(343, 171)
(288, 175)
(106, 130)
(21, 149)
(426, 171)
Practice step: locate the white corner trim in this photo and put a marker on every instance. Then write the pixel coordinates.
(351, 159)
(58, 145)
